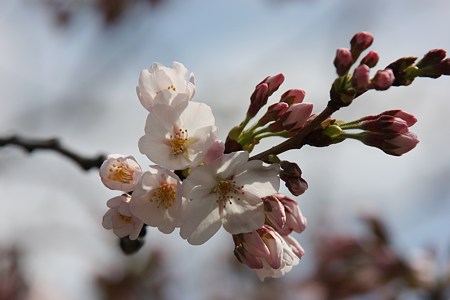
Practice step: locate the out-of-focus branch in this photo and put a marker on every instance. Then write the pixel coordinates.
(53, 144)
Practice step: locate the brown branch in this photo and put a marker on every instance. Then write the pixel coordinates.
(53, 144)
(296, 142)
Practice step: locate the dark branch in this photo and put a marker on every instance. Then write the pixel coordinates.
(54, 144)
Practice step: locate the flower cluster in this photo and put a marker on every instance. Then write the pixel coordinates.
(194, 185)
(198, 183)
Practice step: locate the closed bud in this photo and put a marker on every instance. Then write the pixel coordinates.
(397, 113)
(360, 42)
(296, 116)
(274, 112)
(291, 174)
(385, 124)
(431, 58)
(390, 143)
(275, 213)
(343, 61)
(383, 80)
(274, 82)
(258, 99)
(371, 59)
(293, 96)
(360, 78)
(295, 221)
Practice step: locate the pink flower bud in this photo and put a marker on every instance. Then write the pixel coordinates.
(360, 42)
(274, 82)
(383, 80)
(371, 59)
(275, 212)
(397, 113)
(360, 78)
(291, 174)
(258, 99)
(293, 96)
(294, 219)
(343, 61)
(391, 143)
(431, 58)
(296, 116)
(386, 124)
(274, 112)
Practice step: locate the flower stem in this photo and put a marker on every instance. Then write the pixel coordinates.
(296, 142)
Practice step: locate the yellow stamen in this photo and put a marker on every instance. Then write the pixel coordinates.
(121, 172)
(165, 195)
(227, 190)
(179, 142)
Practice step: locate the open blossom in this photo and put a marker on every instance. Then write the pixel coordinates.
(120, 219)
(227, 192)
(157, 199)
(166, 85)
(267, 252)
(120, 172)
(177, 137)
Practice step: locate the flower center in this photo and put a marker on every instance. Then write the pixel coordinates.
(165, 195)
(169, 87)
(227, 190)
(178, 142)
(121, 172)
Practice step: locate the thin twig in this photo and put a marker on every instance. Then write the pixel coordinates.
(54, 144)
(296, 142)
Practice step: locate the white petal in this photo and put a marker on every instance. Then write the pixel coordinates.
(259, 179)
(203, 221)
(244, 215)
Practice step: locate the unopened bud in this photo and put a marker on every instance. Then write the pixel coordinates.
(295, 221)
(296, 116)
(391, 143)
(274, 212)
(293, 96)
(431, 58)
(274, 82)
(343, 61)
(371, 59)
(383, 80)
(258, 99)
(397, 113)
(291, 174)
(385, 124)
(360, 42)
(360, 78)
(274, 112)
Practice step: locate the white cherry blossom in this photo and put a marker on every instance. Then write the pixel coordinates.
(120, 172)
(227, 192)
(166, 85)
(177, 137)
(157, 199)
(120, 219)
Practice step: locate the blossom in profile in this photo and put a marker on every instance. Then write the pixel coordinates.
(120, 172)
(267, 252)
(227, 192)
(120, 219)
(161, 84)
(178, 137)
(157, 199)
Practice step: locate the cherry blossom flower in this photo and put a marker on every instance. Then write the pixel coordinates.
(157, 199)
(227, 192)
(166, 85)
(120, 219)
(177, 137)
(120, 172)
(267, 252)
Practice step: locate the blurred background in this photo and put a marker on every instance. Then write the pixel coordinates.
(378, 226)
